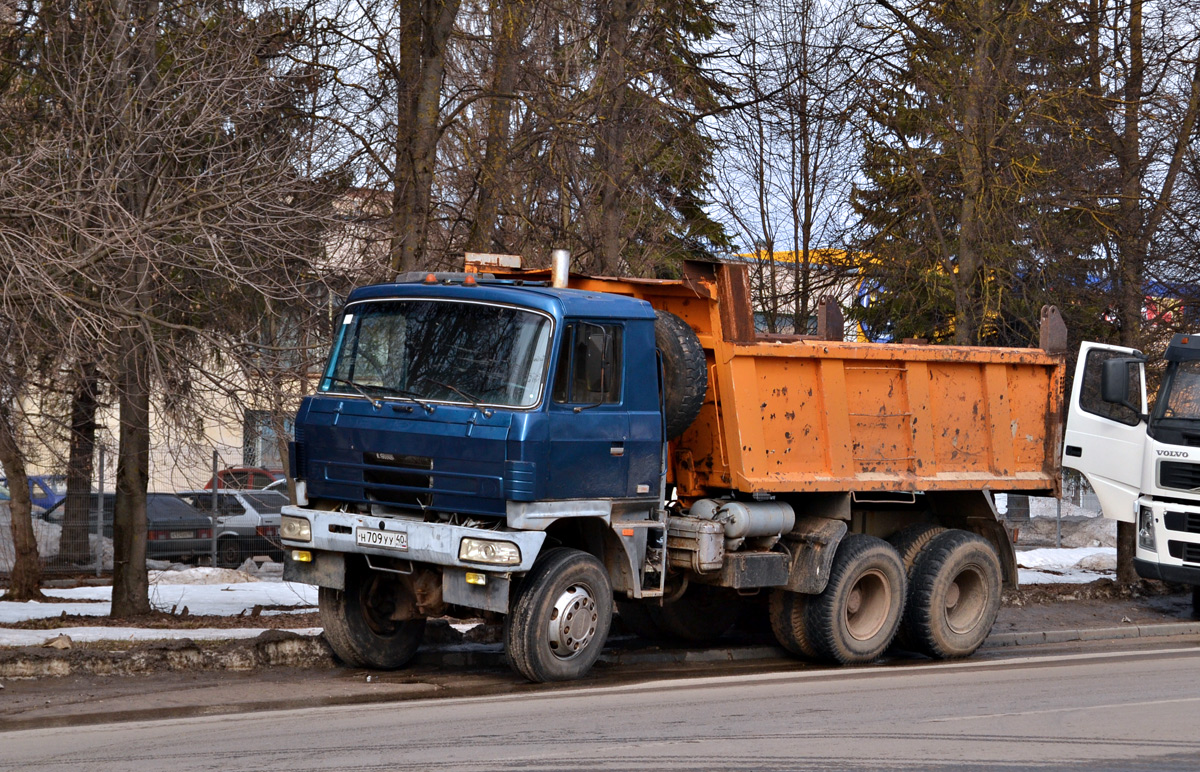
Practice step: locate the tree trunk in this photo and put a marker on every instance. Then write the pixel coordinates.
(130, 594)
(1126, 532)
(973, 163)
(422, 62)
(1130, 257)
(508, 26)
(612, 152)
(74, 543)
(25, 580)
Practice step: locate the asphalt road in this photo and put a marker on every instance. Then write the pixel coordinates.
(1129, 710)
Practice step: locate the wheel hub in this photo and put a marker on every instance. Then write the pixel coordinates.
(867, 605)
(966, 600)
(573, 622)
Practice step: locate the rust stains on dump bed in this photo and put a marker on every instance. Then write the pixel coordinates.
(795, 413)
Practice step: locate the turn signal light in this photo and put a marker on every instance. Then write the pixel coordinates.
(302, 556)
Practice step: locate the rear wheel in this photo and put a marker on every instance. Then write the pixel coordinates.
(855, 618)
(702, 615)
(787, 612)
(358, 623)
(637, 617)
(559, 617)
(955, 595)
(229, 554)
(909, 542)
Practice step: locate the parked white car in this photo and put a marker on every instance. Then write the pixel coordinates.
(248, 522)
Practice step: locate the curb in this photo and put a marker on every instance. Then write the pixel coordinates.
(1092, 634)
(282, 649)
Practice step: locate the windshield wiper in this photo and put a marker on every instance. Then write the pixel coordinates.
(409, 395)
(487, 412)
(391, 391)
(375, 403)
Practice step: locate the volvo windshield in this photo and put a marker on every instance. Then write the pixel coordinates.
(439, 351)
(1176, 417)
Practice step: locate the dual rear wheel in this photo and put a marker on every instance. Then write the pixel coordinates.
(938, 589)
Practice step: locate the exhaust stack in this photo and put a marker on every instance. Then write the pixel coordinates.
(560, 267)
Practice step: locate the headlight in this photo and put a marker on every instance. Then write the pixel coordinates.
(1146, 529)
(496, 553)
(295, 528)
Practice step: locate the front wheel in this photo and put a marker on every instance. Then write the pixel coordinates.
(358, 623)
(559, 617)
(855, 618)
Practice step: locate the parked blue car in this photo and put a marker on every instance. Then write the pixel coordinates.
(45, 490)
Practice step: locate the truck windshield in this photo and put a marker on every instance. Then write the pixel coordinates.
(1180, 397)
(442, 351)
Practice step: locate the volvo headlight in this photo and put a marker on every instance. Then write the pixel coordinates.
(295, 528)
(1146, 529)
(496, 553)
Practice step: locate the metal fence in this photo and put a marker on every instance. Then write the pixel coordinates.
(223, 528)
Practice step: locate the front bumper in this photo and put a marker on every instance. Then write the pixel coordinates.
(1176, 557)
(433, 543)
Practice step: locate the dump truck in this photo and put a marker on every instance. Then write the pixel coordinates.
(552, 449)
(1143, 464)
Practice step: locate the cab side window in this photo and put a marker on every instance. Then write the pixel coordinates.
(1089, 395)
(589, 365)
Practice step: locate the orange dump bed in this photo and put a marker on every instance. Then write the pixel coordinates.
(798, 414)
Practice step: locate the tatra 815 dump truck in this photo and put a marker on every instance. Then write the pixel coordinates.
(553, 448)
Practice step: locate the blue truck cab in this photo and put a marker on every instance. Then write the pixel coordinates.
(461, 429)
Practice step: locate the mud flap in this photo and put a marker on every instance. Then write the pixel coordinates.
(327, 569)
(812, 542)
(492, 596)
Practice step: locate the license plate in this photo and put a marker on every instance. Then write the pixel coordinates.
(183, 534)
(392, 540)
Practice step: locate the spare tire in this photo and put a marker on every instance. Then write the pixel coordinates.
(685, 371)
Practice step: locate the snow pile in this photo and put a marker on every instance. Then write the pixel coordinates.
(1044, 506)
(1074, 531)
(48, 536)
(201, 575)
(1078, 565)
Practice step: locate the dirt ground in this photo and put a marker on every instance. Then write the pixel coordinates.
(1102, 603)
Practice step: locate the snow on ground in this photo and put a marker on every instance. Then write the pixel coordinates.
(229, 599)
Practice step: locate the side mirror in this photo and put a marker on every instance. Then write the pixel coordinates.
(1114, 380)
(1114, 383)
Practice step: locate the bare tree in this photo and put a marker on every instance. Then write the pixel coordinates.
(156, 190)
(786, 163)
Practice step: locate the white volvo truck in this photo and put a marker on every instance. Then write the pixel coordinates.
(1144, 465)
